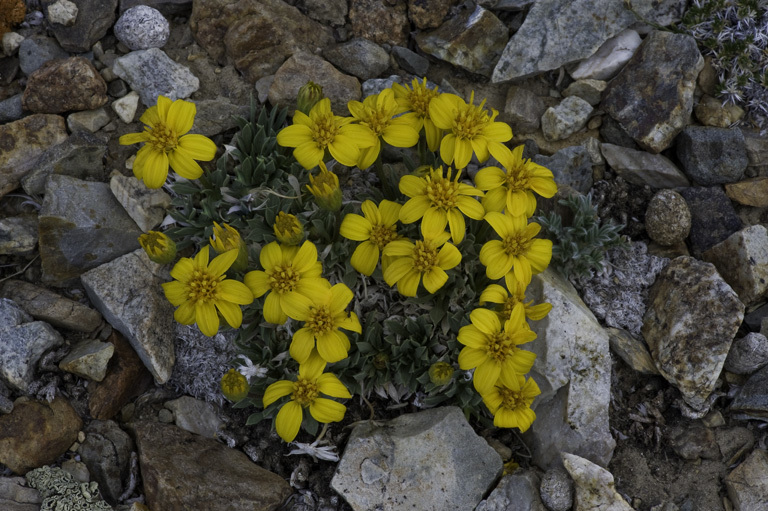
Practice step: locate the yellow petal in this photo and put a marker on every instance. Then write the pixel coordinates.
(222, 262)
(312, 287)
(181, 115)
(198, 147)
(368, 155)
(494, 293)
(271, 256)
(330, 385)
(183, 269)
(327, 410)
(471, 207)
(155, 169)
(235, 292)
(185, 314)
(414, 209)
(345, 151)
(365, 258)
(539, 254)
(230, 312)
(462, 153)
(277, 390)
(308, 155)
(409, 284)
(448, 148)
(470, 358)
(183, 165)
(371, 212)
(163, 105)
(497, 131)
(206, 318)
(397, 269)
(442, 111)
(400, 136)
(257, 281)
(471, 337)
(273, 313)
(448, 256)
(486, 375)
(133, 138)
(288, 421)
(295, 305)
(434, 279)
(331, 347)
(390, 212)
(341, 295)
(175, 292)
(294, 135)
(457, 225)
(305, 258)
(150, 117)
(434, 222)
(302, 344)
(399, 248)
(355, 228)
(490, 178)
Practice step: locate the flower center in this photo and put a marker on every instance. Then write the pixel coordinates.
(283, 279)
(377, 121)
(512, 399)
(517, 178)
(305, 391)
(324, 130)
(470, 122)
(320, 320)
(420, 98)
(154, 242)
(516, 245)
(381, 235)
(424, 256)
(508, 306)
(500, 346)
(442, 192)
(202, 286)
(287, 224)
(163, 138)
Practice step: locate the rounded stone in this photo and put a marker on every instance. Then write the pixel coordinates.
(142, 27)
(556, 490)
(667, 219)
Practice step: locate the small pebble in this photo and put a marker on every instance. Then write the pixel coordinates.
(142, 27)
(556, 490)
(667, 219)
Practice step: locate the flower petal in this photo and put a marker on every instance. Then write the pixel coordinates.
(181, 116)
(185, 314)
(294, 135)
(222, 262)
(235, 292)
(257, 281)
(231, 313)
(302, 344)
(288, 421)
(198, 147)
(330, 385)
(175, 292)
(272, 312)
(206, 318)
(471, 357)
(486, 375)
(326, 410)
(271, 256)
(277, 390)
(414, 209)
(331, 347)
(365, 258)
(434, 279)
(355, 227)
(184, 165)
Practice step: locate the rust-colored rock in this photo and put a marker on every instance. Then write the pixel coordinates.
(750, 192)
(65, 85)
(381, 22)
(37, 433)
(126, 378)
(429, 13)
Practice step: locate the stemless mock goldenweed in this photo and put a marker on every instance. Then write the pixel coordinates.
(517, 250)
(424, 260)
(166, 142)
(417, 98)
(511, 408)
(159, 247)
(376, 229)
(325, 188)
(507, 299)
(226, 238)
(288, 229)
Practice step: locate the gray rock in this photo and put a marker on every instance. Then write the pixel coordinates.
(77, 469)
(195, 416)
(410, 61)
(142, 27)
(747, 484)
(415, 461)
(573, 370)
(557, 490)
(88, 359)
(473, 40)
(742, 260)
(217, 115)
(127, 292)
(96, 17)
(106, 452)
(10, 109)
(523, 109)
(612, 133)
(126, 106)
(15, 495)
(571, 166)
(376, 85)
(18, 235)
(565, 119)
(81, 226)
(587, 89)
(152, 73)
(713, 217)
(80, 155)
(333, 12)
(694, 442)
(36, 50)
(631, 350)
(595, 489)
(519, 491)
(733, 442)
(506, 5)
(752, 399)
(612, 55)
(88, 120)
(712, 156)
(359, 57)
(59, 489)
(667, 218)
(691, 320)
(45, 305)
(757, 148)
(147, 207)
(711, 112)
(24, 343)
(24, 142)
(652, 97)
(747, 354)
(62, 12)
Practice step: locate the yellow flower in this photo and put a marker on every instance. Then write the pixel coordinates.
(440, 373)
(441, 201)
(379, 113)
(470, 129)
(227, 238)
(516, 250)
(306, 392)
(412, 261)
(309, 94)
(493, 350)
(288, 229)
(325, 188)
(511, 408)
(291, 274)
(323, 315)
(167, 143)
(200, 289)
(319, 131)
(234, 386)
(159, 247)
(495, 293)
(376, 230)
(417, 99)
(514, 188)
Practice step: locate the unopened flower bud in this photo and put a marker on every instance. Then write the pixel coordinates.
(234, 386)
(325, 188)
(288, 229)
(158, 246)
(309, 94)
(227, 238)
(440, 373)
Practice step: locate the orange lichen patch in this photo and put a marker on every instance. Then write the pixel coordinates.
(12, 13)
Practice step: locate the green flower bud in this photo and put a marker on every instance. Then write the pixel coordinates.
(158, 246)
(440, 373)
(288, 229)
(309, 94)
(325, 188)
(227, 238)
(234, 386)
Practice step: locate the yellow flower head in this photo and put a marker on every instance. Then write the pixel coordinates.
(507, 301)
(441, 201)
(380, 114)
(158, 246)
(376, 229)
(306, 392)
(516, 250)
(288, 229)
(492, 349)
(291, 274)
(514, 188)
(325, 188)
(416, 99)
(323, 315)
(319, 131)
(227, 238)
(200, 289)
(309, 94)
(440, 373)
(166, 142)
(511, 407)
(427, 259)
(234, 386)
(470, 128)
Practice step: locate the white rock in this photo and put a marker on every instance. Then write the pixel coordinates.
(125, 107)
(595, 490)
(62, 12)
(11, 42)
(565, 119)
(88, 120)
(609, 58)
(195, 416)
(146, 207)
